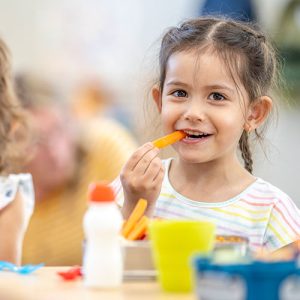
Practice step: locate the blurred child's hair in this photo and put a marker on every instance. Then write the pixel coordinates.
(12, 118)
(34, 91)
(245, 50)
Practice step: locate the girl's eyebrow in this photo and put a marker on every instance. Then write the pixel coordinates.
(212, 86)
(220, 87)
(176, 82)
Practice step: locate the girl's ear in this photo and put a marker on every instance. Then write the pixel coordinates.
(156, 95)
(258, 113)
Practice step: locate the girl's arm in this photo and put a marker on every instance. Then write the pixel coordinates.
(142, 177)
(12, 229)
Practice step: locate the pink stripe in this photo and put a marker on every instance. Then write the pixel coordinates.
(235, 232)
(263, 198)
(256, 245)
(230, 230)
(293, 207)
(288, 212)
(286, 221)
(256, 203)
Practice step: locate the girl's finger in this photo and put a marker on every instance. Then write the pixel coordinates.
(146, 161)
(152, 170)
(159, 176)
(136, 156)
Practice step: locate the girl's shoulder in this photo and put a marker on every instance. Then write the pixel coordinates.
(262, 186)
(264, 189)
(10, 184)
(284, 214)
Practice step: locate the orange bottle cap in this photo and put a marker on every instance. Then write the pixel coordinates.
(99, 192)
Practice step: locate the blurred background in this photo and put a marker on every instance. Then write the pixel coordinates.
(106, 50)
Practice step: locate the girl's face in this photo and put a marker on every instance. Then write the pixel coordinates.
(200, 97)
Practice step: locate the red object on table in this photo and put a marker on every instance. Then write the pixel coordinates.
(71, 274)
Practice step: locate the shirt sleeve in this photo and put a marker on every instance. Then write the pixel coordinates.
(17, 182)
(118, 190)
(284, 224)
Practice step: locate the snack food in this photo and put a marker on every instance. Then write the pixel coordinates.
(169, 139)
(134, 217)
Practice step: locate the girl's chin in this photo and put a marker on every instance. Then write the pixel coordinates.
(192, 159)
(192, 155)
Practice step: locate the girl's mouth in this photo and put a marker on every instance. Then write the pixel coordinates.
(192, 135)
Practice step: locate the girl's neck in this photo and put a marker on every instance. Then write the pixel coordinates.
(214, 181)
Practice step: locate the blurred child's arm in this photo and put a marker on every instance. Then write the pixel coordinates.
(13, 223)
(142, 177)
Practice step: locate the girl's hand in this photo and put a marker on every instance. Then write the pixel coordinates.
(142, 177)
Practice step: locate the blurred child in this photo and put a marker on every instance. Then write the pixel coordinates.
(65, 157)
(214, 84)
(16, 191)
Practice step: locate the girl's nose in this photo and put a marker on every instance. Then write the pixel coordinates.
(195, 111)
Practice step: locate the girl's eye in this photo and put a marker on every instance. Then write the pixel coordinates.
(216, 97)
(179, 93)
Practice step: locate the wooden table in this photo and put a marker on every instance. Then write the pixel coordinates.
(45, 284)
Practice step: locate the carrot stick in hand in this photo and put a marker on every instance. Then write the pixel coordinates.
(134, 217)
(139, 229)
(169, 139)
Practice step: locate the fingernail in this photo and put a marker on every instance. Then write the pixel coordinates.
(149, 144)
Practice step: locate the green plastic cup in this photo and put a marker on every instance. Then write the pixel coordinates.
(173, 243)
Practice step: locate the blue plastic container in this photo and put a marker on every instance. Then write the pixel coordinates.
(251, 281)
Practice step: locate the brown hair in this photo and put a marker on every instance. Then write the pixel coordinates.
(12, 125)
(234, 42)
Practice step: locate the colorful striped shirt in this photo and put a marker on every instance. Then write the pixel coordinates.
(262, 212)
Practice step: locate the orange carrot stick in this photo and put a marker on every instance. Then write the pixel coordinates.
(134, 217)
(169, 139)
(139, 229)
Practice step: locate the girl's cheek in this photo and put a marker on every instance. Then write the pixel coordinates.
(165, 114)
(169, 117)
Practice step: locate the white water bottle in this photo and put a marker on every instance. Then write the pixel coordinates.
(102, 260)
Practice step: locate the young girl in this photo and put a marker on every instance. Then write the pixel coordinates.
(16, 191)
(214, 84)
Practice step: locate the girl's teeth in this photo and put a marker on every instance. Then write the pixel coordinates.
(194, 133)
